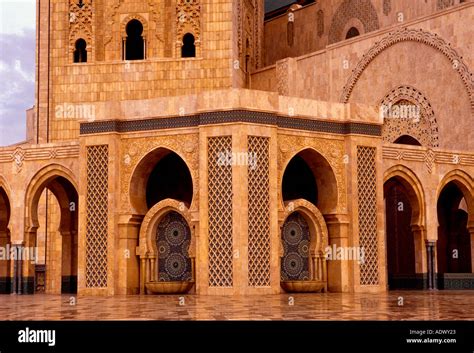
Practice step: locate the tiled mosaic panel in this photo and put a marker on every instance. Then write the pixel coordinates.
(296, 240)
(220, 213)
(367, 202)
(173, 238)
(258, 211)
(97, 216)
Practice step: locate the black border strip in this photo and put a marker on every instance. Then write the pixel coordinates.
(239, 336)
(232, 116)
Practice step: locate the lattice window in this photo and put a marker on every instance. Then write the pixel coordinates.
(259, 211)
(97, 216)
(220, 212)
(406, 111)
(80, 23)
(367, 202)
(188, 21)
(363, 10)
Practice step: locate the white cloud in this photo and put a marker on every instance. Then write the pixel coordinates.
(17, 16)
(27, 76)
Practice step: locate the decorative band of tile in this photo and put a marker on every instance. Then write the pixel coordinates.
(233, 116)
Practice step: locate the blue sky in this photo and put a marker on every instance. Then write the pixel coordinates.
(17, 67)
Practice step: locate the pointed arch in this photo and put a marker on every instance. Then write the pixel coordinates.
(405, 34)
(466, 184)
(414, 190)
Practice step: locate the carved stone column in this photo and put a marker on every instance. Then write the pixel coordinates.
(420, 249)
(128, 261)
(338, 270)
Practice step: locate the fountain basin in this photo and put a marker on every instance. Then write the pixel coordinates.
(169, 287)
(303, 286)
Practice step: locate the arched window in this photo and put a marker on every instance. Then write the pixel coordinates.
(80, 51)
(134, 45)
(188, 50)
(352, 32)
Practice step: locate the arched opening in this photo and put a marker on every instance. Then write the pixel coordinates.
(161, 174)
(454, 240)
(80, 51)
(299, 181)
(309, 176)
(407, 140)
(352, 32)
(54, 219)
(134, 44)
(170, 179)
(168, 250)
(5, 274)
(304, 240)
(173, 238)
(401, 204)
(188, 50)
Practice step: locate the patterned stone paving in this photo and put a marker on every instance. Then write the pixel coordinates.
(419, 305)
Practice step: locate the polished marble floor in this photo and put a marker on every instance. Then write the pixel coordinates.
(400, 305)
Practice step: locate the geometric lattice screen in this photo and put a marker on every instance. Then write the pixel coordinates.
(258, 211)
(220, 212)
(97, 216)
(367, 202)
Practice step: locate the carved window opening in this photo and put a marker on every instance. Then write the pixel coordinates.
(170, 179)
(352, 32)
(134, 44)
(188, 50)
(361, 10)
(407, 140)
(80, 51)
(408, 118)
